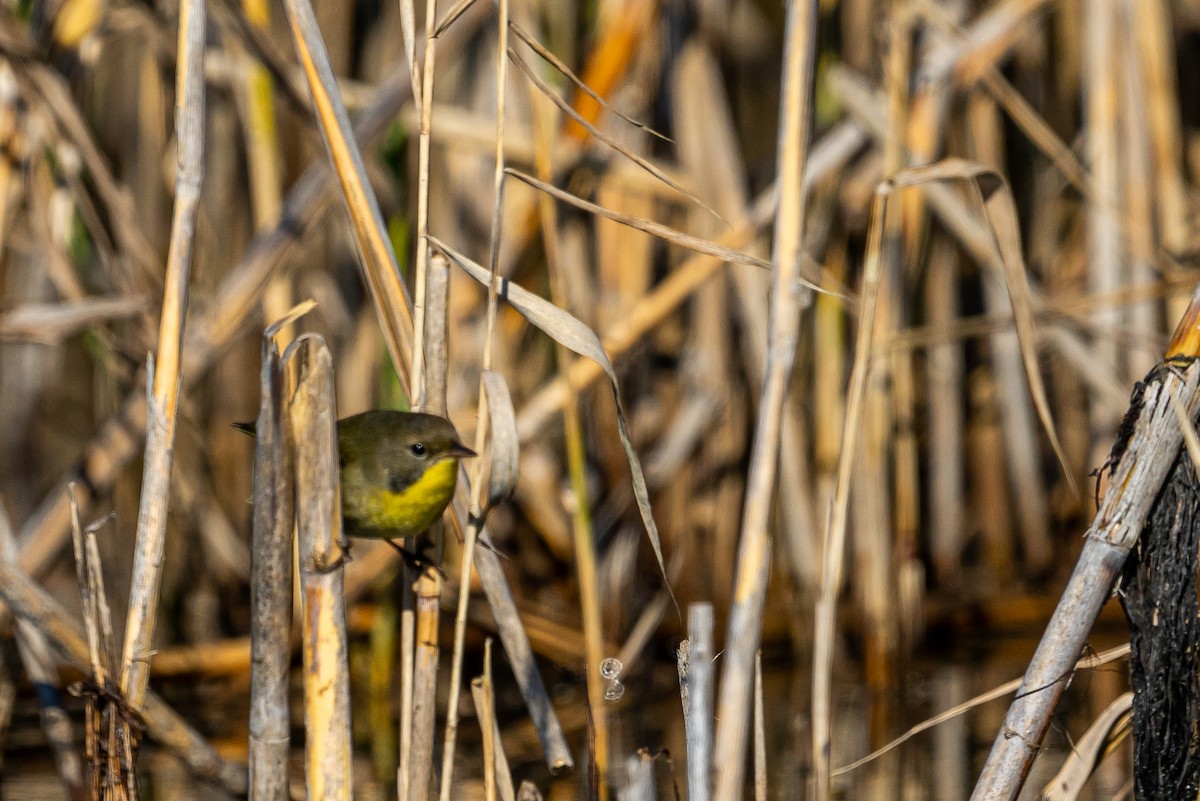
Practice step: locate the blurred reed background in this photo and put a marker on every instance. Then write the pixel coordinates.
(962, 523)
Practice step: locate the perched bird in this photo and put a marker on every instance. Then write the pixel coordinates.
(398, 471)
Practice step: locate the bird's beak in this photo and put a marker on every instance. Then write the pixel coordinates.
(460, 451)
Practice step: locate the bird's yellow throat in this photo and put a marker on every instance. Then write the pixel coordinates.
(418, 505)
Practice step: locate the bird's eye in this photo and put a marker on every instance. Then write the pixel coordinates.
(417, 448)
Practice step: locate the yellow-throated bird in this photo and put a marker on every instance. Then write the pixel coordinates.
(398, 471)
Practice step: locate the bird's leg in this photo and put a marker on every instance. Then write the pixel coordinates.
(413, 560)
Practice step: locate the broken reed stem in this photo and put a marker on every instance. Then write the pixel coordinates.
(787, 300)
(424, 135)
(313, 417)
(478, 510)
(112, 735)
(271, 580)
(31, 603)
(164, 391)
(1133, 485)
(481, 694)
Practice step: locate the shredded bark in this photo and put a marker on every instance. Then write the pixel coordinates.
(1158, 592)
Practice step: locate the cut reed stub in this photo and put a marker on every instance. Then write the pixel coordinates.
(1158, 592)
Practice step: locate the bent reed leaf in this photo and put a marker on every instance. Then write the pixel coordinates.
(567, 109)
(693, 243)
(1000, 212)
(554, 61)
(505, 448)
(569, 332)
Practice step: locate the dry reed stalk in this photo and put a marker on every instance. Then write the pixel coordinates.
(1104, 249)
(1155, 47)
(990, 36)
(434, 361)
(1137, 193)
(1133, 485)
(787, 300)
(708, 146)
(50, 323)
(945, 412)
(271, 577)
(1063, 309)
(760, 733)
(427, 592)
(584, 548)
(1040, 133)
(831, 577)
(9, 138)
(408, 635)
(1102, 757)
(480, 497)
(989, 490)
(696, 688)
(255, 91)
(112, 732)
(312, 414)
(950, 742)
(622, 32)
(900, 573)
(424, 100)
(164, 391)
(497, 781)
(382, 276)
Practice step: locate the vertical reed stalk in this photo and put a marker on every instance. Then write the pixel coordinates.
(479, 499)
(262, 157)
(313, 417)
(835, 540)
(164, 390)
(424, 100)
(271, 579)
(787, 300)
(581, 522)
(698, 701)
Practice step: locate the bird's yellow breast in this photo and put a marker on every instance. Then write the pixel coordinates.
(413, 509)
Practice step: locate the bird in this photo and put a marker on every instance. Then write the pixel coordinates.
(398, 471)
